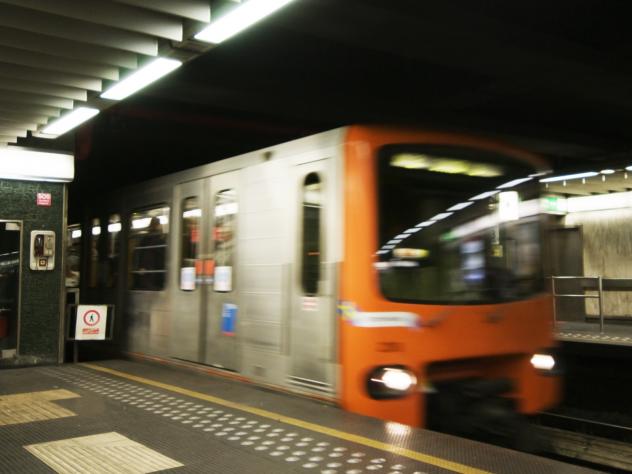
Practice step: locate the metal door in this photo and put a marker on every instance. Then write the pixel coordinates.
(312, 319)
(222, 318)
(188, 258)
(10, 239)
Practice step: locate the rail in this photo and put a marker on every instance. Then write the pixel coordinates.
(590, 283)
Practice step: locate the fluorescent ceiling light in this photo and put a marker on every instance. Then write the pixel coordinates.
(96, 230)
(513, 183)
(142, 77)
(459, 206)
(402, 236)
(20, 163)
(69, 121)
(425, 224)
(394, 241)
(237, 20)
(441, 216)
(388, 247)
(629, 168)
(115, 227)
(607, 171)
(484, 195)
(76, 234)
(412, 230)
(568, 177)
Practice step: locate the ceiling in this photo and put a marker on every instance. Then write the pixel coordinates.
(554, 77)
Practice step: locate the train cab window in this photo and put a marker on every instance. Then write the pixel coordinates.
(148, 249)
(73, 256)
(311, 234)
(457, 226)
(190, 265)
(113, 249)
(94, 261)
(225, 208)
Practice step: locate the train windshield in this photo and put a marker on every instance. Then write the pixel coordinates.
(457, 226)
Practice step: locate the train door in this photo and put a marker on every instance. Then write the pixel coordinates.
(313, 301)
(221, 292)
(9, 287)
(188, 313)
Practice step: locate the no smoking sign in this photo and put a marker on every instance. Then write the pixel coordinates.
(91, 322)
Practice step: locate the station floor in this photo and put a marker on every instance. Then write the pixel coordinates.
(138, 417)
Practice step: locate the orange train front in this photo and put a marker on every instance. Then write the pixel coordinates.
(444, 319)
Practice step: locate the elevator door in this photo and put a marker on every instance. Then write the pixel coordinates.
(10, 233)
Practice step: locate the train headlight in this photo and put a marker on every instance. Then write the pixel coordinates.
(391, 382)
(545, 362)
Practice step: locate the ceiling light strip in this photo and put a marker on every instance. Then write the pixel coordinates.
(141, 78)
(237, 20)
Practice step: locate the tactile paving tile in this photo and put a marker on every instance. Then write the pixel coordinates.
(33, 406)
(299, 449)
(105, 453)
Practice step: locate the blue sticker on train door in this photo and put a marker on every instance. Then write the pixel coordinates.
(229, 318)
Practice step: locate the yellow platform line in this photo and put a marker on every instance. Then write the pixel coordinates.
(389, 448)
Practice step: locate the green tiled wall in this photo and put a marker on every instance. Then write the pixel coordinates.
(41, 290)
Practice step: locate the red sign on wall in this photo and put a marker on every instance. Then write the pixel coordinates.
(44, 199)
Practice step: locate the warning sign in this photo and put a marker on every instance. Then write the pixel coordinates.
(91, 322)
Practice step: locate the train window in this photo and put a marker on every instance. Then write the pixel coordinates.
(223, 248)
(148, 248)
(93, 259)
(73, 258)
(190, 266)
(113, 249)
(457, 226)
(311, 240)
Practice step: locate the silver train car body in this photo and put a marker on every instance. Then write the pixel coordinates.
(282, 336)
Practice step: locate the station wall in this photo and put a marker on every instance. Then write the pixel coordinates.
(41, 291)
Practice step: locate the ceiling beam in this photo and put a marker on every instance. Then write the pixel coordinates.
(15, 71)
(111, 14)
(38, 99)
(9, 106)
(43, 88)
(50, 45)
(22, 124)
(12, 131)
(17, 115)
(199, 10)
(76, 30)
(45, 61)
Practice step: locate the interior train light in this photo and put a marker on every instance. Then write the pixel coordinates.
(68, 122)
(96, 230)
(484, 195)
(543, 361)
(237, 20)
(629, 168)
(75, 234)
(29, 165)
(513, 183)
(411, 253)
(459, 206)
(192, 213)
(141, 223)
(142, 77)
(436, 164)
(568, 177)
(391, 382)
(115, 227)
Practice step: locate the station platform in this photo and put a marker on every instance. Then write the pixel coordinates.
(122, 416)
(614, 333)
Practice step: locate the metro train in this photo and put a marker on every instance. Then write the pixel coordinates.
(396, 272)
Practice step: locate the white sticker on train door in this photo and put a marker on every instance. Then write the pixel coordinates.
(309, 303)
(223, 279)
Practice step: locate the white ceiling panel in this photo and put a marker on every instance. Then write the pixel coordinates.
(56, 55)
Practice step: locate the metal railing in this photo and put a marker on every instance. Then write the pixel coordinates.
(587, 283)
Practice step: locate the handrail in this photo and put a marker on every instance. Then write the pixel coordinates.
(599, 294)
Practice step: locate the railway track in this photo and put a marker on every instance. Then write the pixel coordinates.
(604, 445)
